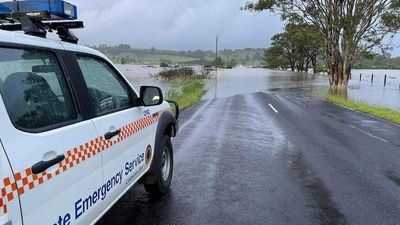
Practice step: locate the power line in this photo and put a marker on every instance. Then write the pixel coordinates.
(196, 12)
(197, 19)
(201, 22)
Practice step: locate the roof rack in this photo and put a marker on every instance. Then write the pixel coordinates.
(40, 17)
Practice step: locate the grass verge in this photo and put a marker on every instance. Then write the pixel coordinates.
(187, 92)
(380, 112)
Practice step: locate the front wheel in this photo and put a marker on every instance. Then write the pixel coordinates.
(163, 164)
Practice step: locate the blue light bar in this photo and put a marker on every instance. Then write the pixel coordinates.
(58, 9)
(4, 9)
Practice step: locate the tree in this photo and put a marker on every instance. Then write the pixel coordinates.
(307, 43)
(231, 63)
(284, 42)
(348, 27)
(314, 44)
(275, 57)
(164, 64)
(297, 47)
(219, 62)
(124, 60)
(124, 47)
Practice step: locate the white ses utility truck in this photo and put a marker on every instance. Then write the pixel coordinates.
(75, 135)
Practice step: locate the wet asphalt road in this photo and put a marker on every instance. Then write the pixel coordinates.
(237, 161)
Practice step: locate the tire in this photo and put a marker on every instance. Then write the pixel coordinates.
(163, 164)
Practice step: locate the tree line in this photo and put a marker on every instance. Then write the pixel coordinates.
(126, 54)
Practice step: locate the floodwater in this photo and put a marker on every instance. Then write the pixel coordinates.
(142, 75)
(375, 92)
(248, 80)
(242, 80)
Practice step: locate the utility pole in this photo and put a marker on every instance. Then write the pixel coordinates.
(216, 51)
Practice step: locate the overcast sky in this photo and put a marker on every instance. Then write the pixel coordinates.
(178, 24)
(175, 24)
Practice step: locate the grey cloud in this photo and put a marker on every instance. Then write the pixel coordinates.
(165, 24)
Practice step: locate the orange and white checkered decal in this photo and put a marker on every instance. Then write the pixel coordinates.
(25, 180)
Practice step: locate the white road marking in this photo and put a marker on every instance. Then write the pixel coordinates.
(273, 108)
(369, 134)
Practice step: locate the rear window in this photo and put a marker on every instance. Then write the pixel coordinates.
(34, 89)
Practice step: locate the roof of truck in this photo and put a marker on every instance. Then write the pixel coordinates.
(23, 39)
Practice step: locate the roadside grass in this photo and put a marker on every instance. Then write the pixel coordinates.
(380, 112)
(187, 92)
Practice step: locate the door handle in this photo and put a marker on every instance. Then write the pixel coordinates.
(42, 166)
(110, 135)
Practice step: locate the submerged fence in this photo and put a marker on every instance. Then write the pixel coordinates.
(385, 79)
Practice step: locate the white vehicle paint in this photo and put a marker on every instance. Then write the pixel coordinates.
(93, 170)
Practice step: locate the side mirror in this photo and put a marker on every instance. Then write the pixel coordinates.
(151, 96)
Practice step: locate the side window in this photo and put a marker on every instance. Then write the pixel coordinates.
(107, 91)
(34, 89)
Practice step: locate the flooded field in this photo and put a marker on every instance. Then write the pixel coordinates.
(247, 80)
(375, 92)
(142, 75)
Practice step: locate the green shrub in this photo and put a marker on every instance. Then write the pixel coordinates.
(164, 64)
(188, 92)
(181, 73)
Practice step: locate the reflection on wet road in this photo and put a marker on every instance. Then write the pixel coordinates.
(239, 161)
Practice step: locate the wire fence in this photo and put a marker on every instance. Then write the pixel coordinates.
(384, 79)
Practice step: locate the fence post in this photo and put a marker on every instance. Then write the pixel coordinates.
(372, 78)
(384, 83)
(360, 76)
